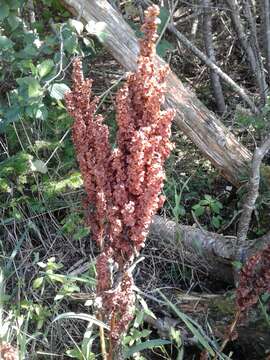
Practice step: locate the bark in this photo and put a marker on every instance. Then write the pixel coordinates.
(253, 192)
(205, 130)
(211, 252)
(210, 52)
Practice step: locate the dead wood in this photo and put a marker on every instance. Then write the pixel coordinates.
(214, 253)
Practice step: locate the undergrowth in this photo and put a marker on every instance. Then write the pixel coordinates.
(47, 274)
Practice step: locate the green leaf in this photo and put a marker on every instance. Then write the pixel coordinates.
(45, 67)
(198, 210)
(5, 43)
(163, 47)
(216, 206)
(14, 113)
(81, 316)
(38, 282)
(57, 91)
(164, 16)
(216, 222)
(81, 233)
(75, 354)
(149, 344)
(77, 25)
(39, 166)
(4, 11)
(34, 88)
(70, 43)
(14, 22)
(201, 337)
(57, 278)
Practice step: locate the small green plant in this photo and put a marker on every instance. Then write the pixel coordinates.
(211, 207)
(65, 285)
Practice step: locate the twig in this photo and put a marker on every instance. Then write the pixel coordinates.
(242, 36)
(253, 192)
(266, 32)
(188, 44)
(47, 84)
(256, 49)
(210, 52)
(229, 335)
(240, 91)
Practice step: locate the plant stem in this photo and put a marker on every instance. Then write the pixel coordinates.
(102, 339)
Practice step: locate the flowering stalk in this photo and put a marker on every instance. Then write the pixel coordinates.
(123, 185)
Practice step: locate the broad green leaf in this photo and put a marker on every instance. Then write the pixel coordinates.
(14, 113)
(38, 282)
(5, 43)
(70, 43)
(163, 46)
(34, 88)
(14, 21)
(42, 113)
(198, 210)
(164, 16)
(57, 91)
(81, 316)
(216, 206)
(4, 11)
(216, 222)
(149, 344)
(77, 25)
(45, 67)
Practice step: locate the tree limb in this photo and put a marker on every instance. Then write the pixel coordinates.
(210, 52)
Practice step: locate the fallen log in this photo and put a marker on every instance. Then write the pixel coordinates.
(203, 128)
(212, 252)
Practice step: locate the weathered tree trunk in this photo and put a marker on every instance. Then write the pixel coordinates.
(211, 252)
(203, 128)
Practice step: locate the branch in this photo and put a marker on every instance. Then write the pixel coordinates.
(210, 52)
(238, 89)
(256, 49)
(253, 192)
(242, 36)
(266, 32)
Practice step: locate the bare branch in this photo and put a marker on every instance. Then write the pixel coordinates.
(210, 52)
(239, 90)
(250, 15)
(242, 36)
(265, 13)
(253, 192)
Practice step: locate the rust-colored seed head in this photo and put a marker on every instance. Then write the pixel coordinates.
(254, 280)
(8, 352)
(123, 185)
